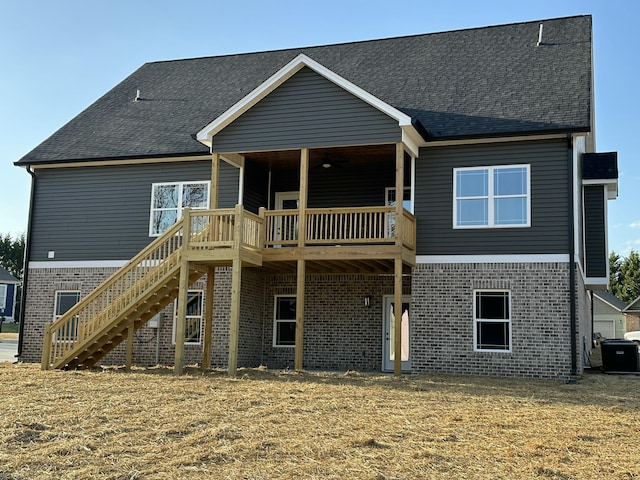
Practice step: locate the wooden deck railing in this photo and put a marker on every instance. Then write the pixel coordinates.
(337, 226)
(218, 229)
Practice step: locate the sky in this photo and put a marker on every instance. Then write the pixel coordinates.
(58, 57)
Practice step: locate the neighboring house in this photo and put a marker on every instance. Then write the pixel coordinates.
(609, 319)
(453, 174)
(8, 291)
(632, 312)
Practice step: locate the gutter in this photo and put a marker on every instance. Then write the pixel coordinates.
(572, 265)
(25, 268)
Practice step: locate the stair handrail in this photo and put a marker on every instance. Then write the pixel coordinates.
(71, 319)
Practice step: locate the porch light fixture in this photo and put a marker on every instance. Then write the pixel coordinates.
(367, 301)
(326, 164)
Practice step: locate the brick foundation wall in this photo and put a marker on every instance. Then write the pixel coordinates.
(442, 319)
(341, 333)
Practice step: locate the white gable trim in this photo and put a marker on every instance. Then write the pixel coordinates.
(410, 135)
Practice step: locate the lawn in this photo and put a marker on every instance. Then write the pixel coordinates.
(149, 424)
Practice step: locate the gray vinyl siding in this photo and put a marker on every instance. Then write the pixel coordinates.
(307, 111)
(229, 185)
(548, 233)
(594, 229)
(102, 213)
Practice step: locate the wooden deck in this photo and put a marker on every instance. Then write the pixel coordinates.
(340, 240)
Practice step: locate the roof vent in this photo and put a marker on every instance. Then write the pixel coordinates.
(540, 36)
(137, 96)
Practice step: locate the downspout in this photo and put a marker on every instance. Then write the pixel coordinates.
(572, 265)
(25, 267)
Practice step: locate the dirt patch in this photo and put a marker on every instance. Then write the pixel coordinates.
(150, 424)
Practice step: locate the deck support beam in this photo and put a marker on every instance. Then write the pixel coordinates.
(300, 287)
(181, 319)
(215, 181)
(397, 315)
(234, 319)
(208, 319)
(129, 357)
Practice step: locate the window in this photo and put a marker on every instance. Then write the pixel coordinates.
(194, 321)
(284, 326)
(168, 200)
(64, 300)
(3, 297)
(491, 197)
(492, 321)
(406, 198)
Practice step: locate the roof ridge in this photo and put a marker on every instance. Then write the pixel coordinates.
(370, 40)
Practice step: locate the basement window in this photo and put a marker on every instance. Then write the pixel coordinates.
(284, 325)
(492, 320)
(194, 321)
(63, 301)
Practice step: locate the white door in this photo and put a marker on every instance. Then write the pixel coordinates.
(287, 226)
(388, 330)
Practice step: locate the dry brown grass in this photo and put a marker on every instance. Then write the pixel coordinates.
(276, 425)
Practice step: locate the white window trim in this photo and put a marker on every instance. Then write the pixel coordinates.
(3, 296)
(490, 197)
(175, 317)
(276, 321)
(508, 321)
(180, 207)
(56, 317)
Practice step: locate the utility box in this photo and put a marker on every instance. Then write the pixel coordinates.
(155, 321)
(620, 356)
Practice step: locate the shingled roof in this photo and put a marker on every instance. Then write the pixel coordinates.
(489, 81)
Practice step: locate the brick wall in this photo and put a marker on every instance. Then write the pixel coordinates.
(341, 333)
(442, 319)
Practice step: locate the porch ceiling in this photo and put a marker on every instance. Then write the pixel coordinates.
(358, 155)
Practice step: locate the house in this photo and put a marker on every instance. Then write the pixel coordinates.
(609, 319)
(632, 312)
(244, 210)
(8, 291)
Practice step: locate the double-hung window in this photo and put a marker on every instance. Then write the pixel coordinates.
(492, 320)
(284, 325)
(492, 197)
(168, 200)
(194, 321)
(63, 301)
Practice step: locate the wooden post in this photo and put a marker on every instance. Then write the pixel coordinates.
(397, 314)
(234, 320)
(299, 350)
(399, 192)
(215, 181)
(183, 292)
(129, 358)
(304, 191)
(208, 319)
(181, 319)
(46, 347)
(238, 228)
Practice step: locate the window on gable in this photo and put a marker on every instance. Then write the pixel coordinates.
(168, 200)
(194, 321)
(284, 325)
(492, 320)
(492, 197)
(63, 301)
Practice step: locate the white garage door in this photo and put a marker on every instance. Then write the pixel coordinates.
(606, 328)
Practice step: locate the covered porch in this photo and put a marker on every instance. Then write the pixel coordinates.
(322, 231)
